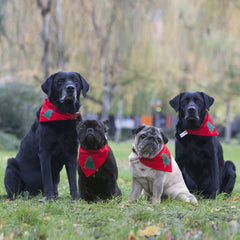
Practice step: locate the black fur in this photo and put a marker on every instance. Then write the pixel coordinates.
(200, 158)
(48, 146)
(101, 185)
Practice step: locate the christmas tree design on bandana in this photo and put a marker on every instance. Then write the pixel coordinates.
(48, 113)
(89, 163)
(166, 160)
(91, 160)
(210, 127)
(162, 161)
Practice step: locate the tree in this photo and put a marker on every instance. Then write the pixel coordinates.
(45, 11)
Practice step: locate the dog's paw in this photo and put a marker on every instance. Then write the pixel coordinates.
(75, 196)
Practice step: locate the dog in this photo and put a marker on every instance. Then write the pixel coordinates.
(198, 152)
(154, 169)
(97, 168)
(51, 142)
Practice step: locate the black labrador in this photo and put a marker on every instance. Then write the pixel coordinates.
(198, 153)
(51, 142)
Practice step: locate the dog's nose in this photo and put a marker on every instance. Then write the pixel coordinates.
(191, 110)
(90, 131)
(70, 87)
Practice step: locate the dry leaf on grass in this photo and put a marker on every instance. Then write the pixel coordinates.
(132, 236)
(150, 230)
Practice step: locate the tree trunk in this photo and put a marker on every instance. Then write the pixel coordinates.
(108, 91)
(228, 123)
(45, 14)
(60, 36)
(45, 43)
(119, 119)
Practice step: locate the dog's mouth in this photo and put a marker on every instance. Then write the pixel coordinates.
(192, 118)
(148, 151)
(68, 99)
(90, 140)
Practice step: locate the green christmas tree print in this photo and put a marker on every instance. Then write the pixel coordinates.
(48, 113)
(210, 127)
(166, 160)
(89, 163)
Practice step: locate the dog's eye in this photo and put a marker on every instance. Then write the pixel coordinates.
(143, 136)
(185, 101)
(60, 81)
(197, 100)
(75, 80)
(159, 140)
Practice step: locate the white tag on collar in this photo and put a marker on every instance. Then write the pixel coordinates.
(183, 134)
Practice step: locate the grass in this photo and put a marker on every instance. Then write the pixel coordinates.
(37, 218)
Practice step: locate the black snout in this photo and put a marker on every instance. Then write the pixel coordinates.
(191, 110)
(90, 131)
(70, 88)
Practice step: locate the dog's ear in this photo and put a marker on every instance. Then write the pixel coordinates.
(85, 85)
(47, 85)
(207, 100)
(106, 122)
(165, 139)
(138, 129)
(175, 102)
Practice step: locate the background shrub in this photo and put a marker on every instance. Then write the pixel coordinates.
(19, 103)
(8, 141)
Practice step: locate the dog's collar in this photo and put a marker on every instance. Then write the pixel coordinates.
(207, 128)
(162, 161)
(91, 160)
(49, 112)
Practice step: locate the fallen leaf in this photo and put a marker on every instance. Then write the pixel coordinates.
(149, 231)
(42, 237)
(47, 218)
(235, 198)
(168, 235)
(26, 225)
(131, 236)
(120, 180)
(11, 236)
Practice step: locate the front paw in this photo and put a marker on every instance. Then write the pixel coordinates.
(75, 196)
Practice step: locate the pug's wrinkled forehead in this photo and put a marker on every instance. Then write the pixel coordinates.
(145, 131)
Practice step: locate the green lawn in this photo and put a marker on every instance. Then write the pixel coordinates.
(37, 218)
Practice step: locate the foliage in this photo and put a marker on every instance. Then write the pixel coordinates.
(19, 103)
(37, 218)
(158, 47)
(8, 141)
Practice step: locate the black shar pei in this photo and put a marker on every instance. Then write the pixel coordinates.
(51, 142)
(198, 152)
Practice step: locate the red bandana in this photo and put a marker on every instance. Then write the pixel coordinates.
(91, 160)
(50, 113)
(206, 129)
(160, 162)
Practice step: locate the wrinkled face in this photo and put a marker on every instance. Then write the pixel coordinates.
(149, 141)
(91, 134)
(192, 108)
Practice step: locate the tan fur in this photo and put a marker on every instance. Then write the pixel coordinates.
(157, 184)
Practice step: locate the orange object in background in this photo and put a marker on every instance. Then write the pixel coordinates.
(168, 121)
(147, 119)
